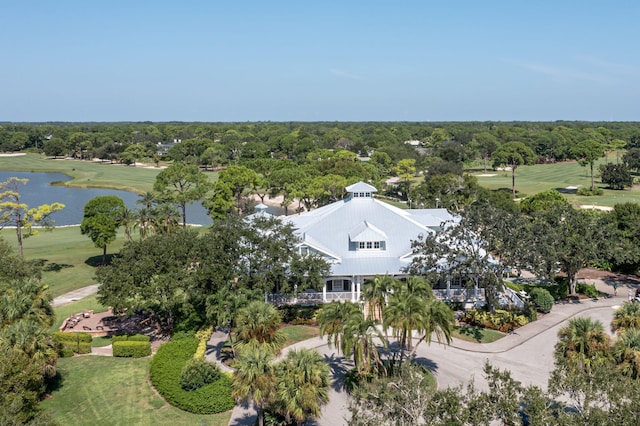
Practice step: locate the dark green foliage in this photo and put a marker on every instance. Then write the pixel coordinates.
(63, 337)
(298, 315)
(78, 342)
(560, 290)
(617, 176)
(21, 387)
(501, 320)
(587, 192)
(131, 349)
(130, 337)
(542, 299)
(102, 217)
(587, 290)
(530, 312)
(197, 373)
(65, 353)
(166, 368)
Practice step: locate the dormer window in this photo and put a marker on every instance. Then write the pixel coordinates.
(370, 245)
(361, 190)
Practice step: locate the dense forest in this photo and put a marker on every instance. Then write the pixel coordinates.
(457, 141)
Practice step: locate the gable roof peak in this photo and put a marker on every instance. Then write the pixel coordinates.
(361, 187)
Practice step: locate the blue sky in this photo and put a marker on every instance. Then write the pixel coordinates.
(301, 60)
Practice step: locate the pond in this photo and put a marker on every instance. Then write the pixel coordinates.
(39, 191)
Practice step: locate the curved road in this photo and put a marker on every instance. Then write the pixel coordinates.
(528, 354)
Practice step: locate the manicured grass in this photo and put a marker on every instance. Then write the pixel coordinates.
(89, 174)
(540, 177)
(477, 335)
(99, 342)
(99, 390)
(65, 311)
(298, 333)
(70, 257)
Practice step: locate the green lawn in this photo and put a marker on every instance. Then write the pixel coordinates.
(89, 174)
(477, 335)
(537, 178)
(99, 390)
(70, 257)
(298, 333)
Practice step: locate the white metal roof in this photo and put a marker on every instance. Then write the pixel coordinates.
(334, 227)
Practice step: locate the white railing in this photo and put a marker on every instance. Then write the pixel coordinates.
(459, 294)
(308, 298)
(339, 296)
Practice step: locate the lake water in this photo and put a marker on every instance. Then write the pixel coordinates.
(39, 191)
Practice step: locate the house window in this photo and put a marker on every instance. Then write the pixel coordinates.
(370, 245)
(338, 285)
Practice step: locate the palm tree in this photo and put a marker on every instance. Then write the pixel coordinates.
(259, 324)
(144, 222)
(582, 343)
(626, 352)
(348, 330)
(413, 309)
(331, 319)
(25, 299)
(627, 316)
(165, 219)
(303, 385)
(440, 321)
(375, 292)
(32, 339)
(360, 340)
(148, 199)
(254, 379)
(128, 220)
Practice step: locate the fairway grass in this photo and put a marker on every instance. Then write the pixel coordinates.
(70, 258)
(98, 390)
(89, 174)
(531, 180)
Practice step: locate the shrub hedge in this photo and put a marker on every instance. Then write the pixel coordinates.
(131, 348)
(502, 320)
(587, 289)
(198, 372)
(166, 368)
(130, 338)
(78, 342)
(299, 315)
(542, 299)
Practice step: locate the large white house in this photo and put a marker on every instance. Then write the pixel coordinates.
(362, 237)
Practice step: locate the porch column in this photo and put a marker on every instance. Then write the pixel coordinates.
(448, 286)
(353, 289)
(358, 289)
(324, 292)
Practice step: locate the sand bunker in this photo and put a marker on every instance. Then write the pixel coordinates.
(16, 154)
(486, 175)
(594, 207)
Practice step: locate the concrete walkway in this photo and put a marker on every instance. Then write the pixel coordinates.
(527, 353)
(75, 295)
